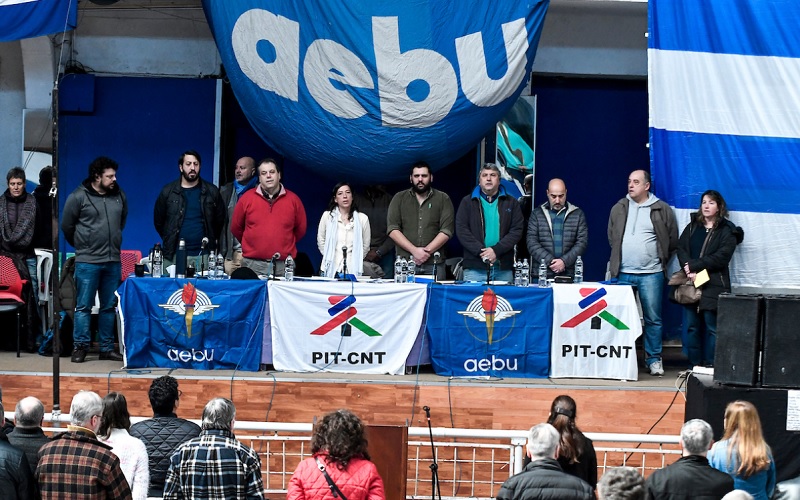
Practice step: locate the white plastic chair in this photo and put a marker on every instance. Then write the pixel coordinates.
(44, 266)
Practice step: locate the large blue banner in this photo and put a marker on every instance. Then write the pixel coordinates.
(29, 18)
(196, 324)
(364, 87)
(497, 331)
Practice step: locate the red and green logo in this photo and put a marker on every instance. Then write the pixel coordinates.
(343, 314)
(593, 305)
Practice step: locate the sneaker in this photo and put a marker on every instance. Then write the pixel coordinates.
(110, 356)
(79, 355)
(657, 369)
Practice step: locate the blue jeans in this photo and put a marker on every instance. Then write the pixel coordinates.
(103, 280)
(701, 335)
(480, 275)
(650, 288)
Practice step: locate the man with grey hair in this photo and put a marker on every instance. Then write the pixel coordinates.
(16, 479)
(621, 483)
(691, 476)
(543, 477)
(75, 464)
(28, 435)
(489, 225)
(215, 465)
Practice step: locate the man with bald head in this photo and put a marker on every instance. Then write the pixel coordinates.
(557, 232)
(643, 235)
(244, 179)
(28, 435)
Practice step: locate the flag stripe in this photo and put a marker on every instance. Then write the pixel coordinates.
(20, 20)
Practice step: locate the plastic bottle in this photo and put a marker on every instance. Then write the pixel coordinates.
(157, 261)
(578, 270)
(542, 274)
(525, 274)
(180, 260)
(288, 269)
(517, 273)
(412, 271)
(398, 269)
(221, 267)
(404, 271)
(212, 266)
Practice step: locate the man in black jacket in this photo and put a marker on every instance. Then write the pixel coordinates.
(543, 477)
(16, 478)
(163, 433)
(691, 477)
(27, 435)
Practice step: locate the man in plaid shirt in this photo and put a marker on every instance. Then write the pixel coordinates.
(75, 465)
(215, 465)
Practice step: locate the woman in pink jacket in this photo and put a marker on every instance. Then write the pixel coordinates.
(340, 467)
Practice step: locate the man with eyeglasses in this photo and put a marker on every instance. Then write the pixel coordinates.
(165, 432)
(75, 464)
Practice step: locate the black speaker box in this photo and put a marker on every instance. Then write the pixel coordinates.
(736, 357)
(781, 367)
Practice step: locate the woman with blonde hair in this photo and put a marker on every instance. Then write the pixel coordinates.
(743, 453)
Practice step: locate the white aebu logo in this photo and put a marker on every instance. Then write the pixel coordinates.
(327, 61)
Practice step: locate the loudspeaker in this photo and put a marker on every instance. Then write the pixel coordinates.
(781, 336)
(736, 357)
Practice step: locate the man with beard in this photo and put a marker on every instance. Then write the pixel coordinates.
(244, 179)
(421, 221)
(189, 209)
(93, 220)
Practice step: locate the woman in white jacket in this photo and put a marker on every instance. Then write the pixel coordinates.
(132, 453)
(342, 226)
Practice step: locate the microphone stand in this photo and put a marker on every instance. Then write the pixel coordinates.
(435, 489)
(202, 262)
(488, 272)
(344, 264)
(274, 270)
(435, 263)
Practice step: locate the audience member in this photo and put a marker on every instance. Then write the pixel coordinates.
(43, 232)
(707, 244)
(691, 476)
(165, 432)
(28, 435)
(93, 219)
(743, 453)
(340, 457)
(576, 453)
(75, 464)
(16, 478)
(557, 232)
(621, 483)
(269, 221)
(244, 179)
(342, 227)
(215, 465)
(113, 431)
(643, 235)
(189, 209)
(420, 221)
(489, 226)
(374, 203)
(543, 476)
(738, 495)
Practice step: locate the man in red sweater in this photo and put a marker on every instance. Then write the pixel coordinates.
(269, 221)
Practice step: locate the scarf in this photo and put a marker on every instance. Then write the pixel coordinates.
(241, 188)
(20, 236)
(355, 259)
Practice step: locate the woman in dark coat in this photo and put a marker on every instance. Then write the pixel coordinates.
(709, 226)
(576, 453)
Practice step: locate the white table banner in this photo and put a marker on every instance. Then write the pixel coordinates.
(343, 326)
(594, 331)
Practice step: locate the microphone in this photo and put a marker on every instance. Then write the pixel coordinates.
(204, 243)
(276, 256)
(485, 260)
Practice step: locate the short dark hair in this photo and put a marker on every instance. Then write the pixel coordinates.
(341, 435)
(99, 166)
(421, 164)
(272, 160)
(15, 173)
(163, 394)
(115, 414)
(190, 152)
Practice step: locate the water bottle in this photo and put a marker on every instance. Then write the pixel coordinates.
(180, 260)
(288, 269)
(212, 266)
(221, 266)
(517, 273)
(404, 271)
(542, 274)
(398, 269)
(412, 271)
(579, 270)
(525, 273)
(157, 261)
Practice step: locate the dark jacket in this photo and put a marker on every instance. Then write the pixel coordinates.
(226, 192)
(43, 232)
(171, 207)
(540, 237)
(584, 468)
(29, 441)
(16, 478)
(19, 238)
(162, 435)
(471, 229)
(689, 478)
(544, 480)
(722, 241)
(664, 225)
(92, 223)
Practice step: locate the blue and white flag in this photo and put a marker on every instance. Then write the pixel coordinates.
(725, 115)
(29, 18)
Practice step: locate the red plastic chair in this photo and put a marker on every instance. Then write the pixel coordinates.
(11, 291)
(129, 259)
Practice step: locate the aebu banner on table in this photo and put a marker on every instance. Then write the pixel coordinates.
(595, 328)
(343, 326)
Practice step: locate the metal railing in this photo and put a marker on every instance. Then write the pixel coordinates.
(472, 463)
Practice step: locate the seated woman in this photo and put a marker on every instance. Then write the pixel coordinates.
(340, 458)
(342, 226)
(743, 453)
